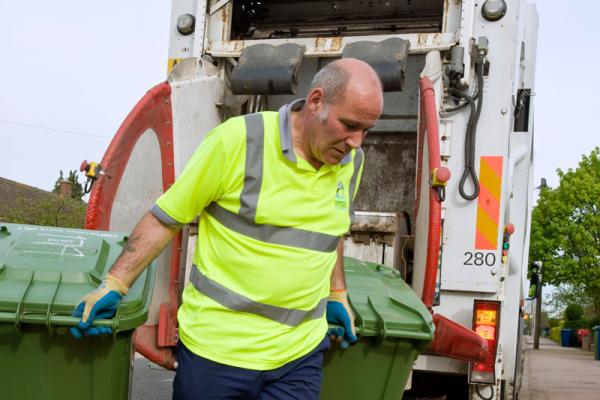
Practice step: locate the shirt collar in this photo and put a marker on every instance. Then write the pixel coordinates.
(285, 131)
(285, 127)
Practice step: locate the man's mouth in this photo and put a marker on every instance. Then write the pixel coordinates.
(341, 152)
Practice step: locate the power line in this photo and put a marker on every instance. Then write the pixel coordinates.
(35, 160)
(52, 129)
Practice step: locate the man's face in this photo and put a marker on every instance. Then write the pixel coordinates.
(343, 126)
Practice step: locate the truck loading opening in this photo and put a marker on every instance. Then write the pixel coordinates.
(446, 192)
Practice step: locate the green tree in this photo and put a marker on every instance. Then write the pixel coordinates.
(553, 322)
(573, 312)
(50, 211)
(77, 188)
(565, 231)
(574, 316)
(565, 294)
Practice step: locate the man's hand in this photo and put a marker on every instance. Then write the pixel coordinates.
(100, 303)
(340, 313)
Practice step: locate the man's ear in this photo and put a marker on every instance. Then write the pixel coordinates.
(315, 100)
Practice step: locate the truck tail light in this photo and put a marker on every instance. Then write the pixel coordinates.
(486, 322)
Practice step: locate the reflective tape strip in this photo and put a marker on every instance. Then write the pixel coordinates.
(488, 203)
(234, 301)
(254, 165)
(164, 217)
(357, 162)
(274, 234)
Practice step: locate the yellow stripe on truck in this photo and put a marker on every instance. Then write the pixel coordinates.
(171, 64)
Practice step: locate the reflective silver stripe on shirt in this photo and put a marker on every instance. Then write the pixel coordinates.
(286, 236)
(164, 217)
(357, 162)
(254, 165)
(236, 302)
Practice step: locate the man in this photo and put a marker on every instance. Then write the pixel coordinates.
(274, 193)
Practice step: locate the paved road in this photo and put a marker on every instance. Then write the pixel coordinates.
(559, 373)
(150, 382)
(551, 373)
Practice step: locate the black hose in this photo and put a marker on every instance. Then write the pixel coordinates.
(469, 146)
(88, 185)
(460, 106)
(470, 134)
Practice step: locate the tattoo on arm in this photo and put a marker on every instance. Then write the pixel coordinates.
(129, 249)
(129, 246)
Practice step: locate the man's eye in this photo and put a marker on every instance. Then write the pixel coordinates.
(349, 125)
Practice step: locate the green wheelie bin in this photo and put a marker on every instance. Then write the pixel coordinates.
(44, 272)
(393, 325)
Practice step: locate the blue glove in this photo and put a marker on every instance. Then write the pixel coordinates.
(340, 313)
(100, 303)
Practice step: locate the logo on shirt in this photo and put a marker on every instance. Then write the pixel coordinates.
(340, 196)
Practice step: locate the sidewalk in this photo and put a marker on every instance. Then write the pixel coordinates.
(559, 373)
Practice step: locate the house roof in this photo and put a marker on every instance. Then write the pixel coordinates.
(11, 192)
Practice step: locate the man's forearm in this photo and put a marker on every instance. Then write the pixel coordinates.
(338, 281)
(147, 241)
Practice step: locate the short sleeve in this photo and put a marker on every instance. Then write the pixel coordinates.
(200, 183)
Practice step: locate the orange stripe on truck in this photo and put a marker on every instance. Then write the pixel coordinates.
(488, 202)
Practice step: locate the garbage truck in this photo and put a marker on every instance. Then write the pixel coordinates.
(446, 195)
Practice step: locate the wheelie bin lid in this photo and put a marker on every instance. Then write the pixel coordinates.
(385, 306)
(45, 271)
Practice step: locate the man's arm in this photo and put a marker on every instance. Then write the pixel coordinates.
(148, 239)
(338, 281)
(339, 311)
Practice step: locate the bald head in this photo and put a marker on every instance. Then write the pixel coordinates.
(345, 101)
(346, 74)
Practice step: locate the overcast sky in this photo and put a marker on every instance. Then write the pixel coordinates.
(72, 70)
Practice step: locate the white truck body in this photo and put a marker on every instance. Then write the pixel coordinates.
(199, 97)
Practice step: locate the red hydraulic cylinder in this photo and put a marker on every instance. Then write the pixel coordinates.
(451, 338)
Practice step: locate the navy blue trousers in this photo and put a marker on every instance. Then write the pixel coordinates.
(200, 379)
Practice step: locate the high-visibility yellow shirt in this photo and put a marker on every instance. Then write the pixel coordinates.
(269, 223)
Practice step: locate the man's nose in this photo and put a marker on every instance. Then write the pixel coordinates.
(355, 139)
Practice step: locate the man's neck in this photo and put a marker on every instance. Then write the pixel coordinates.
(300, 135)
